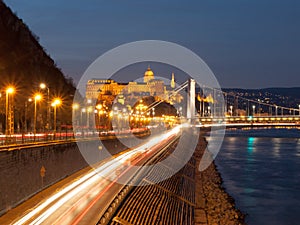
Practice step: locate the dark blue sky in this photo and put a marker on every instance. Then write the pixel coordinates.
(246, 43)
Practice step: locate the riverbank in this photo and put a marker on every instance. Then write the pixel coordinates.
(213, 204)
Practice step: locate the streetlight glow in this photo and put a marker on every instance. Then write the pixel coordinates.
(10, 90)
(56, 102)
(43, 86)
(37, 97)
(8, 111)
(75, 106)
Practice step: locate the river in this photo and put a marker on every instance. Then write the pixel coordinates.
(261, 171)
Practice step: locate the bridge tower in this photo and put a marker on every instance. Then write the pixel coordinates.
(190, 112)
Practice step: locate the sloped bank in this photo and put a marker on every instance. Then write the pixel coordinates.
(213, 204)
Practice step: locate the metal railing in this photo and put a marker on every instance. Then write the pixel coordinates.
(30, 138)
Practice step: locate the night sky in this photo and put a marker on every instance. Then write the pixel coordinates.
(246, 43)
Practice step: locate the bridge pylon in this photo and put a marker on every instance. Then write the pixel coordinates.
(190, 112)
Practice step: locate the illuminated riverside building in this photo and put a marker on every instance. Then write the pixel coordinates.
(150, 86)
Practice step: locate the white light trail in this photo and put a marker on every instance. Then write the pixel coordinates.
(56, 201)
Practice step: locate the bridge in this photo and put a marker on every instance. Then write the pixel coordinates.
(212, 107)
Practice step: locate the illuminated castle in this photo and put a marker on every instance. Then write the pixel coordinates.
(150, 86)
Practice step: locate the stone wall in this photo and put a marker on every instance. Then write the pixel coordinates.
(20, 170)
(20, 167)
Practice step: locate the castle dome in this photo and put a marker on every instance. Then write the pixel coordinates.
(149, 72)
(149, 75)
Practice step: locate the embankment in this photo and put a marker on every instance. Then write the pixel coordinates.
(213, 205)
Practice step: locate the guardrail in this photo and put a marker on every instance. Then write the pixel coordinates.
(30, 138)
(250, 119)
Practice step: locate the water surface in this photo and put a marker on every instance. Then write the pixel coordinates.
(261, 170)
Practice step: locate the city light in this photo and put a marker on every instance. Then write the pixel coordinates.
(37, 97)
(75, 106)
(10, 90)
(8, 111)
(43, 86)
(56, 102)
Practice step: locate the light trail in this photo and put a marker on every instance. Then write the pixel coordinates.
(245, 124)
(92, 184)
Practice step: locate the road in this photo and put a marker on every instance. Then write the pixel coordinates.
(84, 200)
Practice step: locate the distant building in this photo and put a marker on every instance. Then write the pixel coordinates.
(150, 86)
(96, 87)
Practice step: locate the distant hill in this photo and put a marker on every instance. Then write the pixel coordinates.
(292, 92)
(289, 97)
(24, 63)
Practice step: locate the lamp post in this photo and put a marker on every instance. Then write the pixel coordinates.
(37, 97)
(89, 110)
(100, 112)
(83, 110)
(56, 102)
(253, 107)
(231, 110)
(75, 107)
(25, 114)
(8, 111)
(299, 109)
(44, 86)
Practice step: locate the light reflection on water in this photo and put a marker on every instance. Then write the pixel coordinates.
(263, 174)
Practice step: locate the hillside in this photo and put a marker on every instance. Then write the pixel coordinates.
(288, 97)
(25, 64)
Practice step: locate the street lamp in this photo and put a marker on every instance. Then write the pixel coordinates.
(253, 110)
(89, 110)
(75, 106)
(231, 110)
(8, 111)
(56, 102)
(208, 111)
(25, 114)
(37, 97)
(83, 110)
(44, 86)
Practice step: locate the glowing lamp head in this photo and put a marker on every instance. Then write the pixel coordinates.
(38, 97)
(56, 102)
(10, 90)
(43, 86)
(75, 106)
